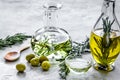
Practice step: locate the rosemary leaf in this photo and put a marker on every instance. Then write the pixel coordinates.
(11, 40)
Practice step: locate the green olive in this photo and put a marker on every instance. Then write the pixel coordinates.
(43, 58)
(20, 67)
(29, 57)
(45, 65)
(34, 61)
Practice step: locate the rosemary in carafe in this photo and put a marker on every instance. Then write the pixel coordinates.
(51, 41)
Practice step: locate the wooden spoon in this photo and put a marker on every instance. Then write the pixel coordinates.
(13, 56)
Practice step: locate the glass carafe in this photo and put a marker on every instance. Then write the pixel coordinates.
(51, 41)
(105, 38)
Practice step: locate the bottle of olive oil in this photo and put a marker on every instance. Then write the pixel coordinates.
(105, 38)
(51, 41)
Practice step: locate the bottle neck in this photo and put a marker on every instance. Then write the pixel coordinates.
(51, 17)
(108, 9)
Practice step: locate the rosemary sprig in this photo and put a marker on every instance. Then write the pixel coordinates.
(106, 29)
(77, 49)
(63, 70)
(105, 42)
(107, 25)
(11, 40)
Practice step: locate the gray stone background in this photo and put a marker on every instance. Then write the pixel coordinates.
(76, 16)
(25, 16)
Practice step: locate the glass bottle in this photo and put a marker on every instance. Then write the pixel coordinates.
(105, 38)
(50, 40)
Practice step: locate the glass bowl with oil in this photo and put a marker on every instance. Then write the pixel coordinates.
(78, 64)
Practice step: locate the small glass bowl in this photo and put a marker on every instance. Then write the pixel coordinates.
(78, 64)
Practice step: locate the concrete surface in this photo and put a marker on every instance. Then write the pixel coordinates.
(25, 16)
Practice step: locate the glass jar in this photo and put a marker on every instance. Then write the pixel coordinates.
(50, 40)
(105, 38)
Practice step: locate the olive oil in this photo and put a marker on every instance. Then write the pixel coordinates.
(79, 65)
(56, 50)
(104, 56)
(105, 37)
